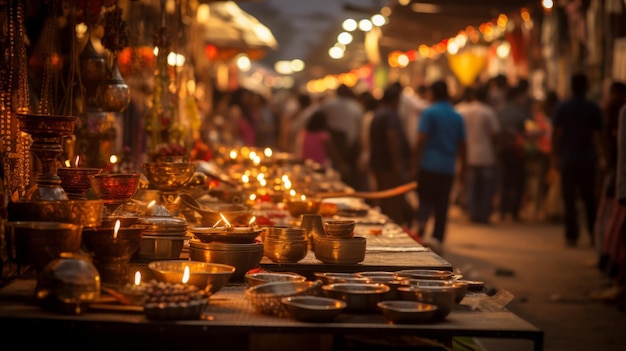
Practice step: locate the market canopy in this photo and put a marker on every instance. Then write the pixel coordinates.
(226, 26)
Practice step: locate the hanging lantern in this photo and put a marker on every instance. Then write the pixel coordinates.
(467, 65)
(113, 94)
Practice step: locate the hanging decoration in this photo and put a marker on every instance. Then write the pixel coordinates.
(14, 98)
(113, 94)
(468, 64)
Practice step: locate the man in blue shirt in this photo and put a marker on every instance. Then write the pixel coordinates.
(440, 141)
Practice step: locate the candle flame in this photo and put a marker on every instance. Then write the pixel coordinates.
(303, 197)
(267, 152)
(292, 192)
(225, 220)
(263, 182)
(117, 228)
(186, 275)
(252, 220)
(67, 163)
(233, 154)
(252, 155)
(77, 160)
(260, 176)
(151, 204)
(137, 278)
(252, 197)
(245, 178)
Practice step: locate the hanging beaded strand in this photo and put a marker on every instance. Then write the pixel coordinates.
(21, 175)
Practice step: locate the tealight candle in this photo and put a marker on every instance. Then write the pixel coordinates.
(186, 275)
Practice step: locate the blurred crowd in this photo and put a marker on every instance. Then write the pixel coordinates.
(492, 150)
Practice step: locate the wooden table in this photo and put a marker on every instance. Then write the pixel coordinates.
(230, 322)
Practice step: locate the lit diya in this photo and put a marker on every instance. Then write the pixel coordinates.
(75, 180)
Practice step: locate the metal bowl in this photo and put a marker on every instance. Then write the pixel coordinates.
(206, 276)
(254, 279)
(235, 235)
(332, 278)
(159, 247)
(169, 176)
(115, 188)
(313, 308)
(397, 311)
(104, 244)
(297, 208)
(38, 243)
(243, 257)
(266, 298)
(387, 278)
(340, 228)
(441, 296)
(87, 213)
(360, 297)
(75, 180)
(425, 274)
(285, 251)
(235, 214)
(346, 251)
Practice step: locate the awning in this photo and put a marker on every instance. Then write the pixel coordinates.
(227, 26)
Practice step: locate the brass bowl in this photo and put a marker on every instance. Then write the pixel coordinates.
(159, 247)
(169, 176)
(460, 287)
(243, 257)
(313, 308)
(425, 274)
(75, 181)
(39, 243)
(297, 208)
(254, 279)
(441, 296)
(340, 228)
(345, 251)
(115, 188)
(106, 245)
(87, 213)
(285, 251)
(206, 276)
(235, 214)
(235, 235)
(359, 297)
(398, 311)
(266, 298)
(332, 278)
(283, 233)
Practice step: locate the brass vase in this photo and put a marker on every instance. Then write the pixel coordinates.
(47, 132)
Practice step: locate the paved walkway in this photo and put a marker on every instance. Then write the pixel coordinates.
(557, 289)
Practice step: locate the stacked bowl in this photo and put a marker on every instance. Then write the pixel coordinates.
(338, 244)
(243, 255)
(284, 244)
(163, 238)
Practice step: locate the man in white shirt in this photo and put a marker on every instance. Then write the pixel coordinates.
(482, 128)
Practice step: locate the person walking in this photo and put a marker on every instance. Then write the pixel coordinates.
(482, 128)
(512, 161)
(441, 140)
(577, 153)
(389, 155)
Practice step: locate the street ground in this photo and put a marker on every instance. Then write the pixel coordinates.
(558, 289)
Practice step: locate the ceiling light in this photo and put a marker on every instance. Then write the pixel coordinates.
(344, 38)
(349, 25)
(378, 20)
(365, 25)
(425, 8)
